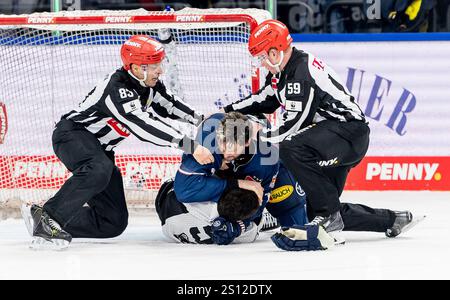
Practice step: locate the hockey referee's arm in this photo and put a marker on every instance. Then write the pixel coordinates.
(264, 101)
(129, 112)
(171, 106)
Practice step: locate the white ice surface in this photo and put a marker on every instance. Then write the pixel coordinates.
(142, 252)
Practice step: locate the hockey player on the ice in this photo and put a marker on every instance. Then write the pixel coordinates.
(194, 222)
(324, 133)
(287, 200)
(132, 100)
(242, 163)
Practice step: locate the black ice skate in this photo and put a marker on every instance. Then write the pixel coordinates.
(333, 225)
(404, 221)
(47, 233)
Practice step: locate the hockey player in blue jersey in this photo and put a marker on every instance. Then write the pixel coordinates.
(220, 223)
(196, 183)
(250, 165)
(239, 162)
(259, 163)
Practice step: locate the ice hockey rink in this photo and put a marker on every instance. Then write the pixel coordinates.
(142, 252)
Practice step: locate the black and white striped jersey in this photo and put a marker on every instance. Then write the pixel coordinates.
(308, 90)
(120, 106)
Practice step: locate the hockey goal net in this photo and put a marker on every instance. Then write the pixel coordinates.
(50, 61)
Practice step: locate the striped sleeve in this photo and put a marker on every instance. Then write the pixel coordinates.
(130, 113)
(264, 101)
(300, 103)
(171, 106)
(292, 124)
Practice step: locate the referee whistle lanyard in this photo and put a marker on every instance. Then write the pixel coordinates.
(141, 82)
(277, 65)
(275, 81)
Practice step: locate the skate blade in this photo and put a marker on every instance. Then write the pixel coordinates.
(339, 239)
(25, 210)
(39, 244)
(414, 222)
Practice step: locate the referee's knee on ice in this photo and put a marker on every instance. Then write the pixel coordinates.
(116, 224)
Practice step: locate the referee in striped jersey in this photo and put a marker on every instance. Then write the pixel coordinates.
(324, 133)
(85, 138)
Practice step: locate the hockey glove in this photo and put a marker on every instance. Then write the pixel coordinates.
(303, 238)
(224, 232)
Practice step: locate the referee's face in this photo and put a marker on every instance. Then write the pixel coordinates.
(269, 68)
(153, 73)
(150, 72)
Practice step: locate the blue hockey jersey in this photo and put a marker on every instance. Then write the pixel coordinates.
(199, 183)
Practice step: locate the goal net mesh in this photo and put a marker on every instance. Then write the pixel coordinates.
(47, 69)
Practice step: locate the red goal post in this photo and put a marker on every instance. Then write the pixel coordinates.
(54, 59)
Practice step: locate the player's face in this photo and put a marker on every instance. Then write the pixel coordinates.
(231, 151)
(153, 71)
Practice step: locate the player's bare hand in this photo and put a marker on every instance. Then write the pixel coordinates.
(253, 186)
(224, 166)
(203, 156)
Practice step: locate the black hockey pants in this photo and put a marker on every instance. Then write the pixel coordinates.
(359, 217)
(321, 157)
(96, 181)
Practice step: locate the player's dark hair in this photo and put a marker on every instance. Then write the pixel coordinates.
(238, 204)
(235, 128)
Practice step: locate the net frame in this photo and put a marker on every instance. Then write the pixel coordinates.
(137, 19)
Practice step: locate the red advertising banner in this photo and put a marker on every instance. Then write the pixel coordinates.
(401, 173)
(146, 172)
(47, 172)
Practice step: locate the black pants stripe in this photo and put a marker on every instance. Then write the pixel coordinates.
(96, 181)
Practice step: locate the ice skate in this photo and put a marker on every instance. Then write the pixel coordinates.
(333, 225)
(404, 221)
(269, 222)
(47, 233)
